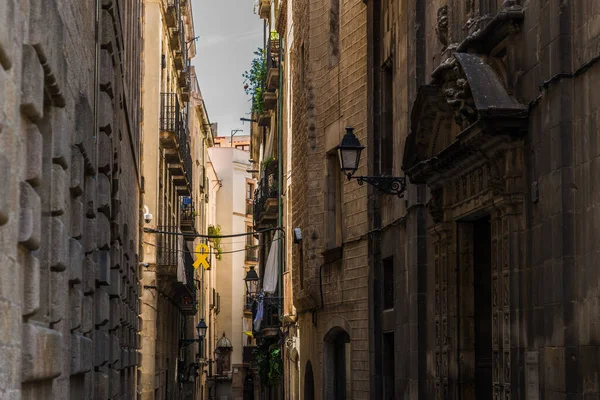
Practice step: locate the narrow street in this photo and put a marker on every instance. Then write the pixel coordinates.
(299, 199)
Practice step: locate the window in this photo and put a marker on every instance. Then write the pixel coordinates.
(334, 32)
(388, 283)
(249, 190)
(333, 202)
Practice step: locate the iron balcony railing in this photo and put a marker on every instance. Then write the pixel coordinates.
(266, 188)
(168, 246)
(188, 212)
(271, 317)
(170, 113)
(273, 53)
(188, 264)
(183, 138)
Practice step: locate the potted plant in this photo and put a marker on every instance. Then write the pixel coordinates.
(254, 80)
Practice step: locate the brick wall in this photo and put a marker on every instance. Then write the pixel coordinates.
(69, 209)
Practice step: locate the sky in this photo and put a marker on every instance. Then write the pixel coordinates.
(229, 34)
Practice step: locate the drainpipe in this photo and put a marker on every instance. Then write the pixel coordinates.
(280, 190)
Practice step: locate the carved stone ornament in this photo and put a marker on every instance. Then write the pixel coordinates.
(441, 29)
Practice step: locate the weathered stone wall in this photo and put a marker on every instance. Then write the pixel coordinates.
(334, 96)
(551, 65)
(69, 207)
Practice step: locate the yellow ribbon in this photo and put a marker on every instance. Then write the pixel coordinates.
(202, 253)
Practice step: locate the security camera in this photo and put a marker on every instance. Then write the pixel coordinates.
(147, 215)
(145, 265)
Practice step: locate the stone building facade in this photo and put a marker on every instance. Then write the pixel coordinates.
(494, 121)
(176, 134)
(69, 213)
(329, 266)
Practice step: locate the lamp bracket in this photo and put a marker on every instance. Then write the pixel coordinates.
(386, 184)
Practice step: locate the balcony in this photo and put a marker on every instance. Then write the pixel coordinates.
(181, 54)
(185, 292)
(187, 216)
(168, 252)
(270, 100)
(172, 12)
(273, 64)
(174, 138)
(252, 255)
(248, 355)
(271, 321)
(266, 198)
(264, 9)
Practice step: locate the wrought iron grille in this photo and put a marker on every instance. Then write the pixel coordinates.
(170, 115)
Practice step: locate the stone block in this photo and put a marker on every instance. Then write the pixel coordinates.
(102, 307)
(104, 198)
(77, 218)
(81, 354)
(115, 382)
(33, 173)
(102, 232)
(59, 290)
(89, 276)
(59, 193)
(115, 351)
(41, 353)
(87, 314)
(84, 133)
(32, 85)
(59, 248)
(77, 171)
(107, 73)
(5, 170)
(102, 258)
(7, 19)
(46, 35)
(31, 286)
(30, 229)
(89, 239)
(61, 141)
(115, 312)
(101, 385)
(101, 348)
(75, 261)
(106, 114)
(90, 196)
(75, 307)
(116, 255)
(114, 290)
(105, 153)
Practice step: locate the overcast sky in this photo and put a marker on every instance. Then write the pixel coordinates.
(229, 33)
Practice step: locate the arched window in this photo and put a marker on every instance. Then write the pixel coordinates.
(336, 364)
(309, 382)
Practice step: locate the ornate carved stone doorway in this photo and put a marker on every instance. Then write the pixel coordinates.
(466, 145)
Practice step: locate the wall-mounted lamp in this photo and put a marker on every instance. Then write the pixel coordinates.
(349, 151)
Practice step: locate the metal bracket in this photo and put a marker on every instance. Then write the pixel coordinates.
(386, 184)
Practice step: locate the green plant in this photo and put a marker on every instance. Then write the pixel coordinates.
(254, 80)
(266, 162)
(270, 366)
(215, 231)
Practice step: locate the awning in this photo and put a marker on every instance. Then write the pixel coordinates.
(271, 268)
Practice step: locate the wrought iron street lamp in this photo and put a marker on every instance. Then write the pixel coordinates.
(201, 328)
(251, 280)
(349, 151)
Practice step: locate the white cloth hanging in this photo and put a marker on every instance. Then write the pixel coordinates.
(271, 268)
